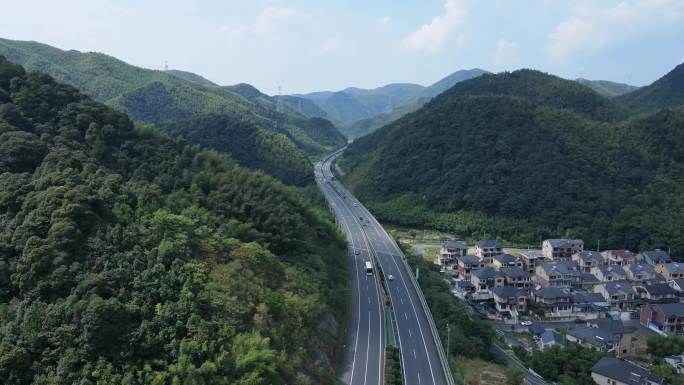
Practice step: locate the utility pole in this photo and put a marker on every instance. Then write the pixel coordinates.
(166, 65)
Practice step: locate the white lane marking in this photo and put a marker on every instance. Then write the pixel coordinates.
(410, 334)
(414, 354)
(413, 306)
(401, 299)
(365, 376)
(341, 207)
(405, 316)
(369, 300)
(419, 377)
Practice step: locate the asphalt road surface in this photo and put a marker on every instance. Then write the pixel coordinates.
(363, 363)
(421, 354)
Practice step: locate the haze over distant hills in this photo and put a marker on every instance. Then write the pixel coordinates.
(607, 88)
(169, 98)
(358, 111)
(524, 155)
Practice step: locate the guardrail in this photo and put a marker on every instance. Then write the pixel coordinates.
(426, 309)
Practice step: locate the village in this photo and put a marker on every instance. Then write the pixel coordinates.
(611, 301)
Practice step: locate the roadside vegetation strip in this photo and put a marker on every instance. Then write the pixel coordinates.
(393, 372)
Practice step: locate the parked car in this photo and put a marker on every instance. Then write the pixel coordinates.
(526, 323)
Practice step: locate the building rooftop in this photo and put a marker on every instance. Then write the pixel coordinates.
(617, 287)
(671, 309)
(515, 272)
(489, 244)
(471, 259)
(508, 291)
(454, 245)
(505, 259)
(487, 273)
(673, 267)
(591, 256)
(659, 288)
(641, 268)
(532, 254)
(550, 293)
(657, 256)
(589, 278)
(625, 372)
(567, 267)
(552, 336)
(619, 253)
(594, 336)
(612, 269)
(563, 242)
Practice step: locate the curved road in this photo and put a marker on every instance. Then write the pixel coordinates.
(422, 354)
(364, 359)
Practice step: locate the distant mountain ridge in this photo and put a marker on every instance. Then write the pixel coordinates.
(607, 88)
(666, 92)
(358, 111)
(167, 98)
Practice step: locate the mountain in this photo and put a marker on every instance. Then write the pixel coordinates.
(607, 88)
(304, 106)
(130, 257)
(525, 155)
(665, 92)
(451, 80)
(192, 77)
(359, 111)
(168, 98)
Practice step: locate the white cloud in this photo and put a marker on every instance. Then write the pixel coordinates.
(434, 35)
(573, 35)
(270, 20)
(593, 26)
(506, 54)
(385, 21)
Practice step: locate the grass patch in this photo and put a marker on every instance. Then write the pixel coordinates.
(479, 372)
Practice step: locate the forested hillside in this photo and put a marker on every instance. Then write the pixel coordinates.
(520, 159)
(127, 257)
(666, 92)
(168, 98)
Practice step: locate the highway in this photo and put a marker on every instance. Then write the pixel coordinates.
(423, 360)
(364, 359)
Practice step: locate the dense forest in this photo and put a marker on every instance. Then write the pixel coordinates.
(523, 156)
(250, 146)
(127, 257)
(172, 98)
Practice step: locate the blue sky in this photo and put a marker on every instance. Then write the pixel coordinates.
(307, 45)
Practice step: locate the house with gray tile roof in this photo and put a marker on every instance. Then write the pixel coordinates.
(642, 273)
(506, 260)
(486, 279)
(667, 318)
(619, 257)
(671, 270)
(488, 249)
(467, 264)
(550, 338)
(531, 259)
(588, 260)
(658, 292)
(619, 294)
(596, 338)
(609, 273)
(614, 371)
(558, 274)
(517, 277)
(449, 253)
(654, 257)
(561, 249)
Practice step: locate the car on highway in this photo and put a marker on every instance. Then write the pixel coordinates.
(357, 252)
(356, 205)
(390, 277)
(526, 323)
